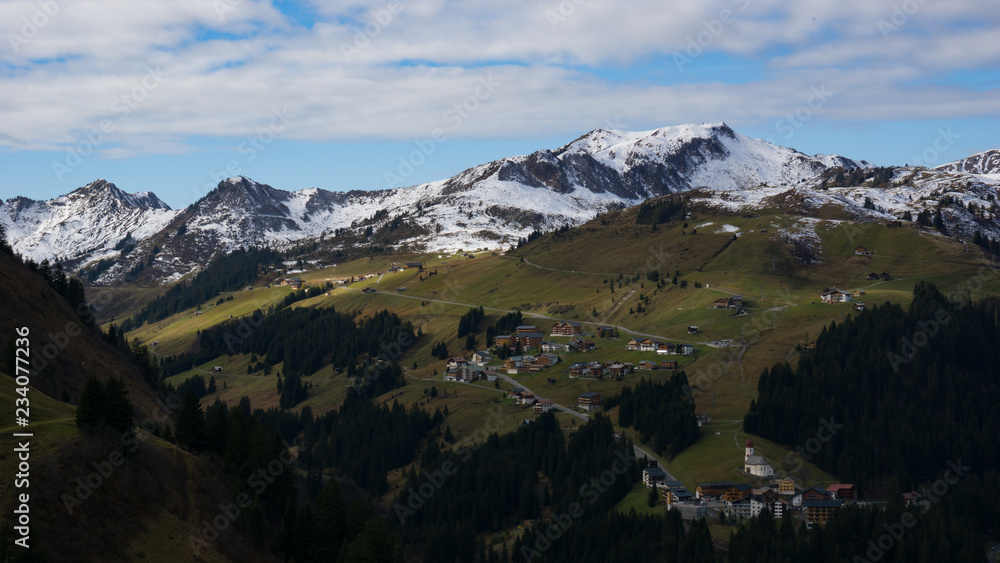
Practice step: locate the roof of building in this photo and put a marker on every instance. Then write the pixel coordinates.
(756, 460)
(589, 394)
(655, 471)
(749, 443)
(716, 484)
(822, 503)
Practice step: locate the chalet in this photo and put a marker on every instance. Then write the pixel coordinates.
(859, 293)
(702, 419)
(504, 340)
(526, 398)
(842, 491)
(488, 375)
(737, 492)
(368, 290)
(546, 359)
(692, 329)
(481, 357)
(786, 487)
(457, 374)
(412, 265)
(814, 493)
(685, 349)
(859, 306)
(516, 365)
(648, 345)
(819, 511)
(529, 339)
(834, 295)
(526, 329)
(605, 332)
(595, 369)
(566, 328)
(632, 344)
(217, 369)
(738, 508)
(712, 489)
(580, 345)
(618, 370)
(666, 348)
(544, 406)
(457, 362)
(862, 251)
(722, 303)
(653, 475)
(872, 276)
(668, 364)
(577, 369)
(884, 276)
(589, 401)
(549, 346)
(646, 365)
(676, 495)
(197, 313)
(514, 392)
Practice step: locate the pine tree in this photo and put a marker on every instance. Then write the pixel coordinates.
(91, 407)
(118, 412)
(190, 426)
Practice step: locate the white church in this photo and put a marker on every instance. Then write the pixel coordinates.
(755, 464)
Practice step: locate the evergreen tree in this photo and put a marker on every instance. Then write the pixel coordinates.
(190, 427)
(91, 408)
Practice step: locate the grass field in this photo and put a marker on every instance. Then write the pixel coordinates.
(601, 268)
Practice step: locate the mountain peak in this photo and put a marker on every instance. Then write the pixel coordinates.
(102, 190)
(986, 162)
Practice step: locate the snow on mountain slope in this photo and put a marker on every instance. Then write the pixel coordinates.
(491, 205)
(987, 162)
(85, 224)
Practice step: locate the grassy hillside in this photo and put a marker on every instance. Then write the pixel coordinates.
(601, 268)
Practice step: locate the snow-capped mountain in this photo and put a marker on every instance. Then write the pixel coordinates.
(487, 206)
(987, 162)
(95, 221)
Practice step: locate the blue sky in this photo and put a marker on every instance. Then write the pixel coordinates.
(170, 97)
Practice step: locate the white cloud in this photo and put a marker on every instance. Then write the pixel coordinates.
(224, 71)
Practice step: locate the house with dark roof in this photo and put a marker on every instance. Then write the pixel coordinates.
(589, 400)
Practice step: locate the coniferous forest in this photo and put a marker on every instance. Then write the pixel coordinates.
(912, 393)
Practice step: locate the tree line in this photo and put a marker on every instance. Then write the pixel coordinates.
(662, 412)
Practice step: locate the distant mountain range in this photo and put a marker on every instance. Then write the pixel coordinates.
(114, 237)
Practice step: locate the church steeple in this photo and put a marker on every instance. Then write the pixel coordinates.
(749, 447)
